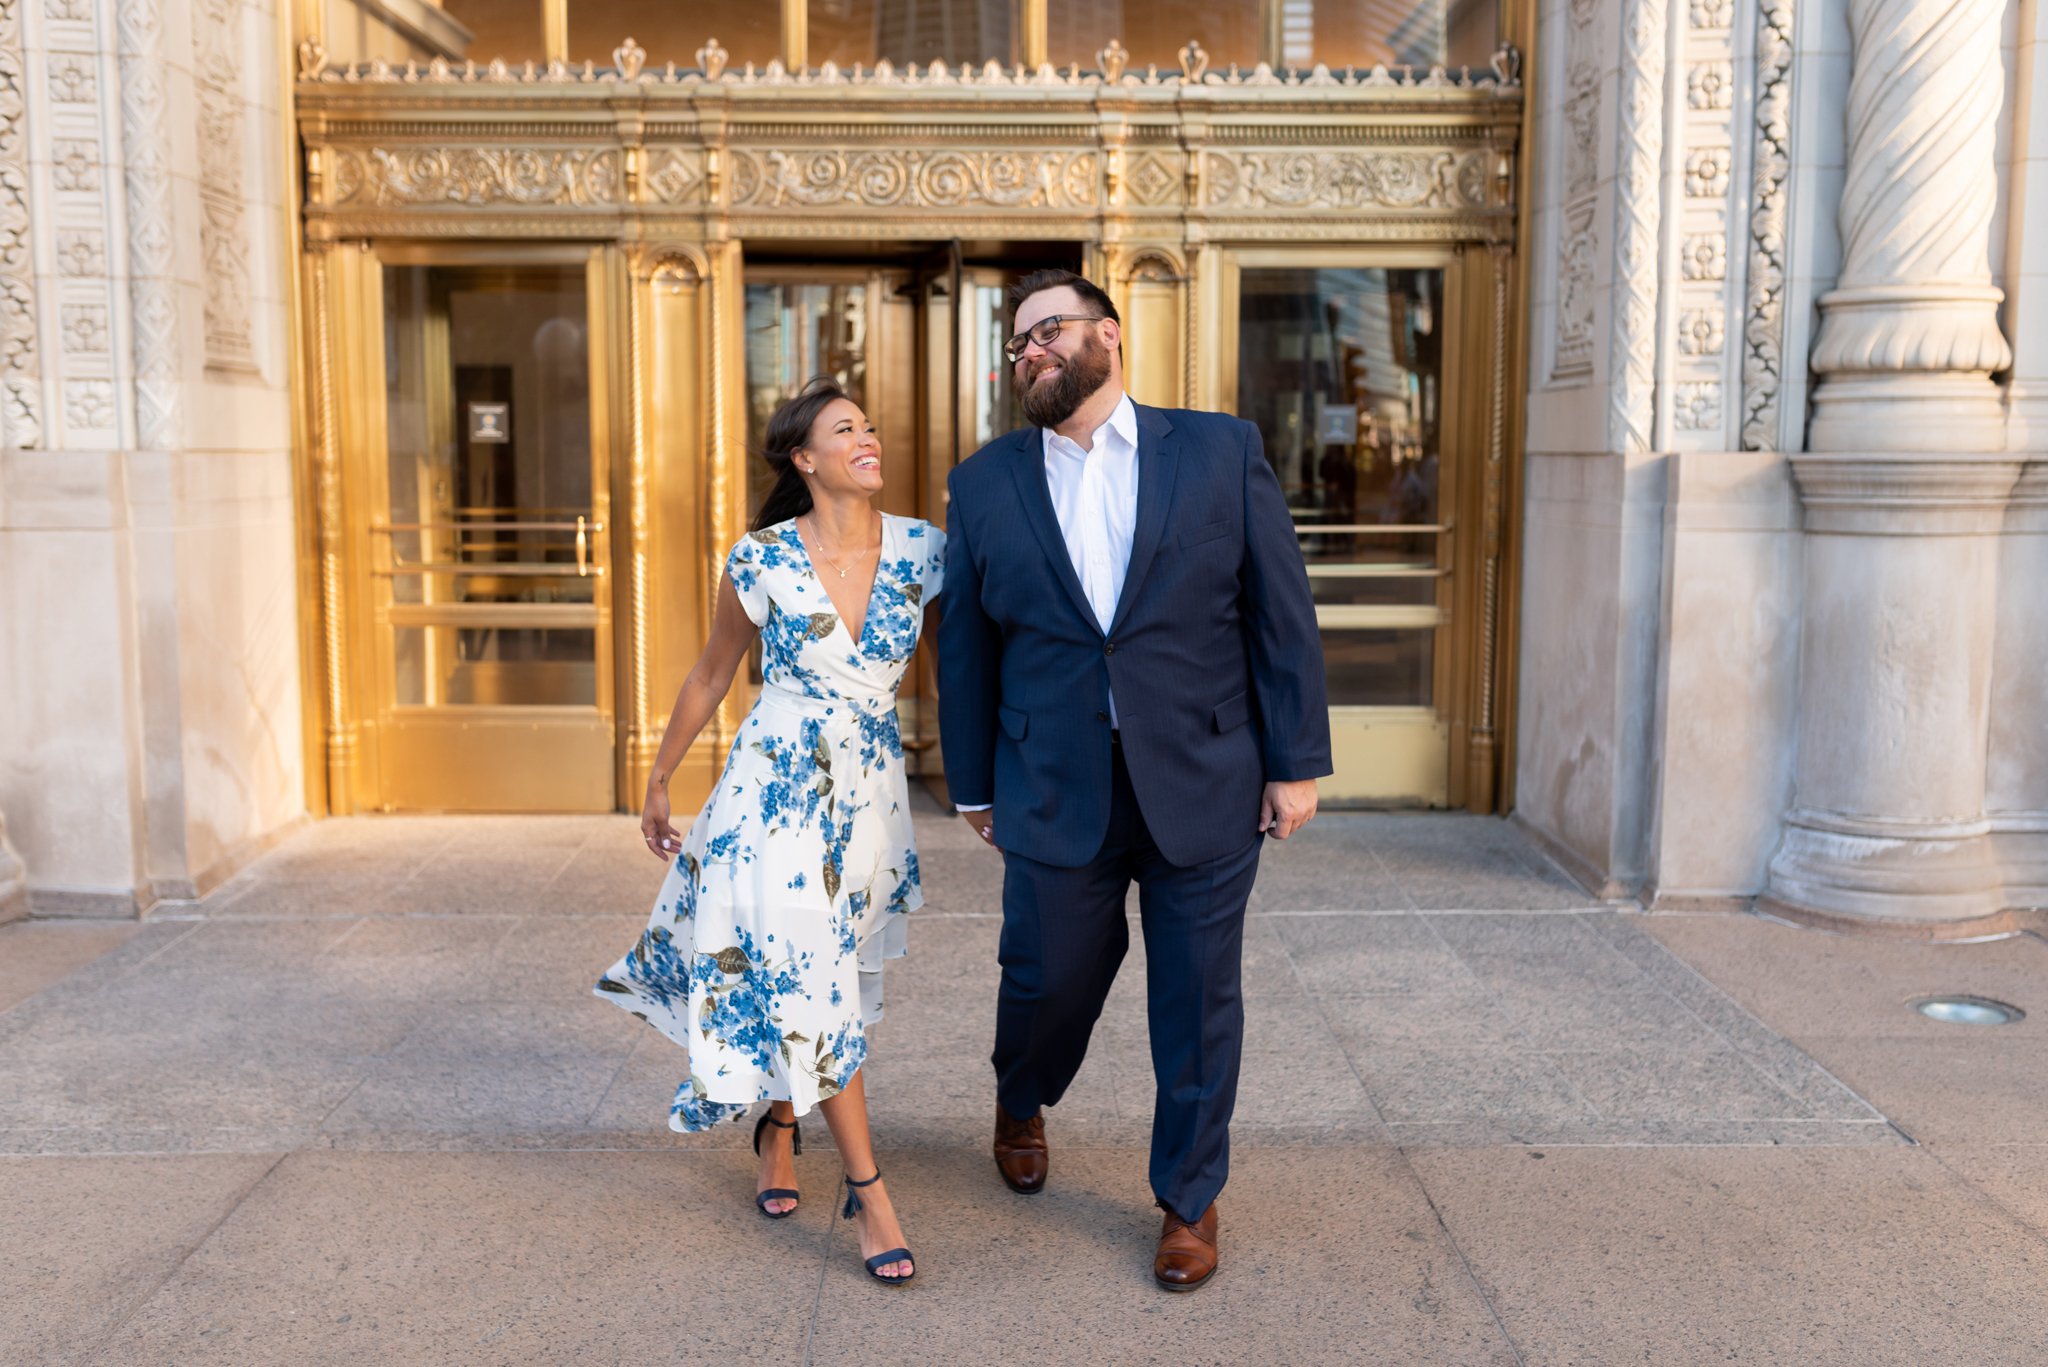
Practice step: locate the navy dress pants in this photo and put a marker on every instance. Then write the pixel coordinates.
(1064, 936)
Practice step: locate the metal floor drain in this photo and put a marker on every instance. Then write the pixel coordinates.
(1967, 1010)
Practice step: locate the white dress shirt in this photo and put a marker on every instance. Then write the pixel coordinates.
(1095, 496)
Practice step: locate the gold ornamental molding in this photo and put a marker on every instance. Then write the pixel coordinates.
(552, 150)
(826, 177)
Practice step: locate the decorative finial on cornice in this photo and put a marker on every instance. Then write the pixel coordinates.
(711, 59)
(629, 57)
(1112, 61)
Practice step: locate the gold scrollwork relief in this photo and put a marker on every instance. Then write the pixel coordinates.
(888, 179)
(477, 176)
(1346, 180)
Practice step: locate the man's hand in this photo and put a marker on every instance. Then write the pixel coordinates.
(1285, 807)
(984, 824)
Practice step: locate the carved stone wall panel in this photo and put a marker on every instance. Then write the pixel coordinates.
(1578, 240)
(1763, 329)
(1573, 347)
(1639, 148)
(76, 367)
(223, 232)
(21, 398)
(1703, 311)
(152, 290)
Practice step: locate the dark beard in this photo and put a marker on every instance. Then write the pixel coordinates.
(1049, 405)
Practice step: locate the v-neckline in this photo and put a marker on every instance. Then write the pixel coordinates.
(867, 612)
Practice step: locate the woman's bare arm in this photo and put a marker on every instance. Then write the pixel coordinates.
(705, 687)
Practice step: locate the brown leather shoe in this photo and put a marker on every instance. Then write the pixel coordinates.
(1021, 1155)
(1187, 1252)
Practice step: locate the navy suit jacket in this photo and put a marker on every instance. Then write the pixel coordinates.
(1213, 651)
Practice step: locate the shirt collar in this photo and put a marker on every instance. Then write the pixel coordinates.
(1122, 424)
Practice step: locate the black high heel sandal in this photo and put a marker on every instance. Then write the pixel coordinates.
(796, 1143)
(880, 1260)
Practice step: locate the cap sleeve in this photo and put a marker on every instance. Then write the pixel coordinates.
(931, 545)
(743, 568)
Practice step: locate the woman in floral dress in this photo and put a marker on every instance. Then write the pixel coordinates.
(763, 957)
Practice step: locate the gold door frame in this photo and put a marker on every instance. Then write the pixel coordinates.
(1447, 755)
(346, 284)
(1161, 176)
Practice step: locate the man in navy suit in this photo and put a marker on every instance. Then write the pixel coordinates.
(1130, 689)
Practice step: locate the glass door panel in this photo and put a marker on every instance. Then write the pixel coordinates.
(490, 549)
(1341, 368)
(798, 329)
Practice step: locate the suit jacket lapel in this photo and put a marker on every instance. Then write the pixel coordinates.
(1156, 470)
(1027, 464)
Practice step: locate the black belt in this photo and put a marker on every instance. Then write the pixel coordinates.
(1116, 737)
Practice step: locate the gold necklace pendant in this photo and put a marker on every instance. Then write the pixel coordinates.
(830, 563)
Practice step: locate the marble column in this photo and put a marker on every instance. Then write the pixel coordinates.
(1904, 486)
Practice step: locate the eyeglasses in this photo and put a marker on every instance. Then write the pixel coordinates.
(1045, 332)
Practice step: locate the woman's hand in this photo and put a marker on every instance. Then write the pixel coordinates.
(660, 836)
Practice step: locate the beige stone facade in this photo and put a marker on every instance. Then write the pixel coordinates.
(149, 671)
(1799, 656)
(1740, 596)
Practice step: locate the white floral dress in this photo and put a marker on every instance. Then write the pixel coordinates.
(764, 954)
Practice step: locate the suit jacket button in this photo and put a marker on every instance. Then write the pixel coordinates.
(1109, 647)
(1102, 716)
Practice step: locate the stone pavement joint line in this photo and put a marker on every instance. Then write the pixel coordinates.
(358, 1105)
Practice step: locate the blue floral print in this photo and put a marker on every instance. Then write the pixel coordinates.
(763, 956)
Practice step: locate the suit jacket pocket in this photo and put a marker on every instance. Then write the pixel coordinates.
(1232, 713)
(1208, 531)
(1015, 723)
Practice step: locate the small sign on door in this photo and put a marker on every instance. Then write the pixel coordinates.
(1338, 424)
(490, 422)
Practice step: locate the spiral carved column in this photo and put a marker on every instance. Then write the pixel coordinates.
(1905, 488)
(1909, 337)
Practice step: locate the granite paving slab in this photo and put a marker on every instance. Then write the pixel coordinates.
(1332, 1257)
(488, 1258)
(35, 955)
(1796, 1256)
(90, 1239)
(1651, 1137)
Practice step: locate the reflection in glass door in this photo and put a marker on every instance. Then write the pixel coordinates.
(930, 374)
(489, 546)
(1342, 370)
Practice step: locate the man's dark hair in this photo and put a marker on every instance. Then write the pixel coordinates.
(1039, 281)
